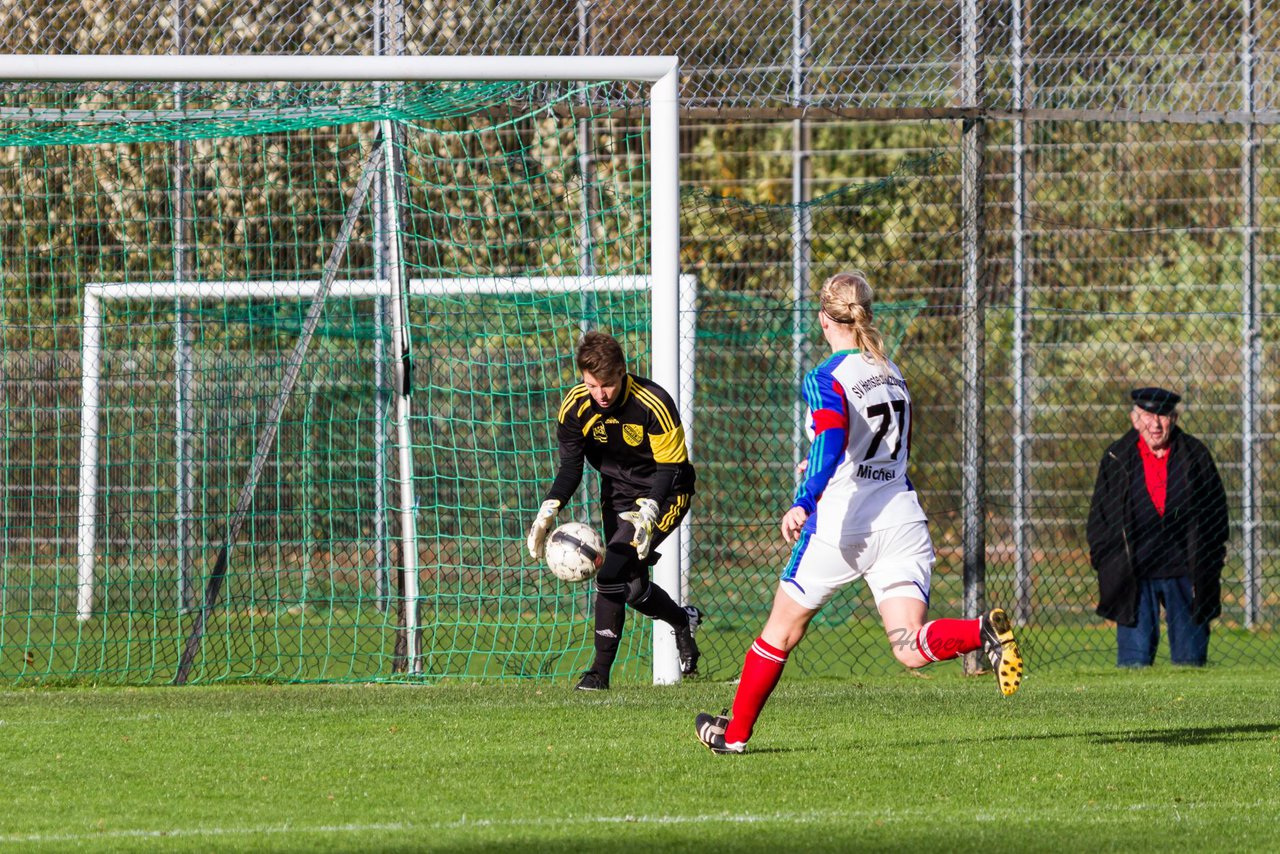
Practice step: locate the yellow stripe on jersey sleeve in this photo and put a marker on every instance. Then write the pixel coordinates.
(669, 518)
(575, 394)
(666, 421)
(586, 428)
(669, 447)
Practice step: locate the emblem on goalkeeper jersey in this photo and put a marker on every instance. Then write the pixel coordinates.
(574, 552)
(633, 433)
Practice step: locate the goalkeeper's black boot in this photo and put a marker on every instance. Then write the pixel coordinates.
(997, 642)
(710, 730)
(686, 645)
(592, 681)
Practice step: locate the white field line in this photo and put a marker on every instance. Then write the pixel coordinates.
(1071, 814)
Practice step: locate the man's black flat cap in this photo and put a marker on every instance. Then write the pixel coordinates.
(1159, 401)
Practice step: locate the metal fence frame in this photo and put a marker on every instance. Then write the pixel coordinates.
(1000, 67)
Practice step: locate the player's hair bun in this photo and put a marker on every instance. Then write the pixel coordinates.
(847, 299)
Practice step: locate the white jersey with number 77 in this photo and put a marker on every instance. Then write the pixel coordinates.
(859, 421)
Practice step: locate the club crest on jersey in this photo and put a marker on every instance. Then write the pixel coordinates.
(633, 434)
(598, 433)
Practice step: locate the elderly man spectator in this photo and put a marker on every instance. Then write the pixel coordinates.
(1157, 535)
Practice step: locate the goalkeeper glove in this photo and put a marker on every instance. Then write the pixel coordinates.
(542, 526)
(642, 519)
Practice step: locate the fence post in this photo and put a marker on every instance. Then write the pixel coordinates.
(587, 267)
(1250, 356)
(183, 411)
(1021, 382)
(801, 225)
(972, 155)
(388, 39)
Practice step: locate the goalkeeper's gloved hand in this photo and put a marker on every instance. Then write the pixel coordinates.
(642, 519)
(542, 526)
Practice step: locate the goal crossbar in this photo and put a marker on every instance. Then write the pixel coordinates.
(267, 68)
(361, 288)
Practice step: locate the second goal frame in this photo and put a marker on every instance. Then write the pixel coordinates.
(98, 295)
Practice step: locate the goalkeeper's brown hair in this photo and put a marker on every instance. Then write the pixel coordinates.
(600, 355)
(846, 298)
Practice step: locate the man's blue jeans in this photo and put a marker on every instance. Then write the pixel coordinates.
(1188, 642)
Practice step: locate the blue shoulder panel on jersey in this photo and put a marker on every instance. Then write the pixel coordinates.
(821, 389)
(826, 401)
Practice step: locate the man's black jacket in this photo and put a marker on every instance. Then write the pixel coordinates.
(1198, 505)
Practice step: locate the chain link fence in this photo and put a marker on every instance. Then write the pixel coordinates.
(1082, 194)
(1132, 57)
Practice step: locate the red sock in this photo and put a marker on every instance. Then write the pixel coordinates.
(760, 674)
(944, 639)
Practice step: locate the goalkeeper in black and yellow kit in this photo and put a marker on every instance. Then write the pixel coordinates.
(627, 427)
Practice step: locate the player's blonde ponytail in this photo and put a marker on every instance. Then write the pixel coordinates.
(846, 298)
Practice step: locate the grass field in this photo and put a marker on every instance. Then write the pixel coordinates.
(1091, 760)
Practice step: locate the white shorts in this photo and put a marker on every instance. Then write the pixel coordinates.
(893, 562)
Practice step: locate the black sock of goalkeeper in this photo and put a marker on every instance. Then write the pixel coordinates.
(611, 613)
(652, 601)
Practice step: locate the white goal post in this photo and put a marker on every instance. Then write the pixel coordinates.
(668, 339)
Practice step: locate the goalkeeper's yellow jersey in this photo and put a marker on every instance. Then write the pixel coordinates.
(637, 444)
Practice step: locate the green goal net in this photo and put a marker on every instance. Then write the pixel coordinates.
(214, 299)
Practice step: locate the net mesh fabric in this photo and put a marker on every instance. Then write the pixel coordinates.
(209, 185)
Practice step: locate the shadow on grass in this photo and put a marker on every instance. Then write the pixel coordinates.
(1186, 736)
(1171, 736)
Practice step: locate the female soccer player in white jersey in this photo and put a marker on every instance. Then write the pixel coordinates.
(856, 515)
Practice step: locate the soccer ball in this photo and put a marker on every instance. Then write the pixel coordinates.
(574, 552)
